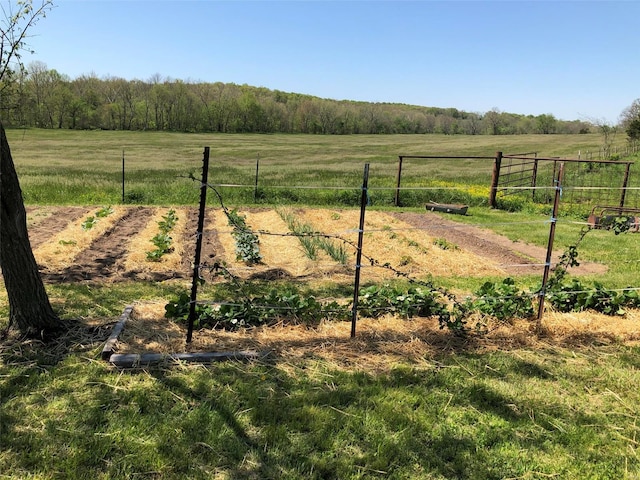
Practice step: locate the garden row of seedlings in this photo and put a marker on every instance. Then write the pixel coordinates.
(162, 241)
(64, 247)
(502, 300)
(313, 241)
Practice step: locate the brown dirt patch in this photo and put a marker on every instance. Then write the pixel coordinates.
(44, 223)
(211, 246)
(515, 258)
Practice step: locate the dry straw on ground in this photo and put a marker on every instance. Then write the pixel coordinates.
(387, 240)
(379, 344)
(279, 250)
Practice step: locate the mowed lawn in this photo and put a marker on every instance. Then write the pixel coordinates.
(545, 411)
(471, 408)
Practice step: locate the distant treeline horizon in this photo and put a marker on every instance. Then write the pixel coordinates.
(44, 98)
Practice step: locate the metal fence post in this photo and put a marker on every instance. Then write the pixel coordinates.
(552, 231)
(255, 188)
(625, 184)
(356, 283)
(396, 200)
(199, 233)
(122, 176)
(534, 178)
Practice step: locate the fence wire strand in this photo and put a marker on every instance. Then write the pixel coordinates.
(374, 263)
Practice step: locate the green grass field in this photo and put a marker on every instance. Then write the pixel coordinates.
(77, 167)
(467, 411)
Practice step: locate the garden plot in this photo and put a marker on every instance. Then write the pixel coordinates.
(115, 246)
(62, 248)
(393, 241)
(379, 343)
(387, 240)
(282, 255)
(44, 222)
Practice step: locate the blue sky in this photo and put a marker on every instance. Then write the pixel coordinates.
(573, 59)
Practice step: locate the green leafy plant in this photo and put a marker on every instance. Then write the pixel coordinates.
(564, 297)
(247, 242)
(602, 300)
(622, 224)
(91, 220)
(89, 223)
(163, 241)
(168, 221)
(576, 297)
(376, 301)
(445, 244)
(502, 300)
(275, 306)
(104, 212)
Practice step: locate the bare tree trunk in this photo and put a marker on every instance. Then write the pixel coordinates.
(29, 307)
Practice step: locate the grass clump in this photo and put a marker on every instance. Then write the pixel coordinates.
(335, 249)
(303, 232)
(312, 241)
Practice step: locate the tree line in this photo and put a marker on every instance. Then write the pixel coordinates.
(44, 98)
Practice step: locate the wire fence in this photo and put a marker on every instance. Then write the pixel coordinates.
(272, 311)
(586, 182)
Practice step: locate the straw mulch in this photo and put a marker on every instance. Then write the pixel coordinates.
(136, 259)
(387, 240)
(390, 240)
(379, 344)
(83, 337)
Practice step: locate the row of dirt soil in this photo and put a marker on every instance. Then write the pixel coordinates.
(416, 244)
